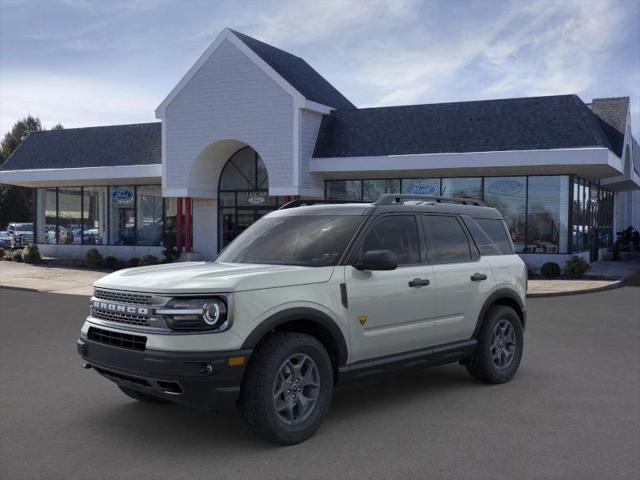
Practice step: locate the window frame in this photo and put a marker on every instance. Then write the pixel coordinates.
(360, 235)
(474, 253)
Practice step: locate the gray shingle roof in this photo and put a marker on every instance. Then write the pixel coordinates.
(298, 73)
(613, 116)
(108, 146)
(534, 123)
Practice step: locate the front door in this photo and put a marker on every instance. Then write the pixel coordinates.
(389, 312)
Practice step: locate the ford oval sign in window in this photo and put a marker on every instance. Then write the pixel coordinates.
(122, 196)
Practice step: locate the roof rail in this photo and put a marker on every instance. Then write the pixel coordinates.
(304, 203)
(391, 199)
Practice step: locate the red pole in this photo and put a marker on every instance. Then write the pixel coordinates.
(187, 216)
(179, 224)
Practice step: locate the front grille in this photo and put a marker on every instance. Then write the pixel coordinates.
(27, 238)
(117, 339)
(123, 297)
(128, 318)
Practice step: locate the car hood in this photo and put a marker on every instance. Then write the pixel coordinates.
(208, 277)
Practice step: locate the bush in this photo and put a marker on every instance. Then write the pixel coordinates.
(576, 267)
(148, 260)
(94, 258)
(111, 263)
(31, 254)
(550, 270)
(171, 254)
(1, 253)
(133, 262)
(16, 256)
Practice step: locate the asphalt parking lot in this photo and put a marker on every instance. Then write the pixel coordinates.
(573, 410)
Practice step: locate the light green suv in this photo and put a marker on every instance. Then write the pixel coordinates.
(311, 295)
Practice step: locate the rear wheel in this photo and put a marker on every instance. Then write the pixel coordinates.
(287, 388)
(500, 345)
(142, 397)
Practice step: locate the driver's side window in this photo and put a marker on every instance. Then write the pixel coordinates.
(397, 233)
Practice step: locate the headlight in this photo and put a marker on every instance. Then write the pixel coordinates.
(196, 314)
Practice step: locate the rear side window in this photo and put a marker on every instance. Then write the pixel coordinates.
(446, 239)
(497, 232)
(485, 244)
(398, 233)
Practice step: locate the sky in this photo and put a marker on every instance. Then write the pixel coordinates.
(101, 62)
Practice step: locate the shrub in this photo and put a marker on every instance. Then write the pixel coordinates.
(576, 267)
(16, 256)
(133, 262)
(171, 254)
(550, 270)
(1, 253)
(148, 260)
(94, 258)
(31, 254)
(111, 263)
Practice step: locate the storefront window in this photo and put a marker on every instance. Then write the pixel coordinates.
(94, 216)
(374, 189)
(122, 224)
(69, 216)
(421, 186)
(46, 215)
(509, 196)
(344, 189)
(170, 222)
(462, 187)
(548, 200)
(149, 215)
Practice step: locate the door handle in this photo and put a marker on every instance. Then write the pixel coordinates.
(477, 277)
(419, 282)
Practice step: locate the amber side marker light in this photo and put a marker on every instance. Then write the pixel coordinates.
(235, 361)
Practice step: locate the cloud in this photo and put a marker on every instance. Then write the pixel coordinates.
(73, 101)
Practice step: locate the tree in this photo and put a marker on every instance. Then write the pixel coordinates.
(16, 203)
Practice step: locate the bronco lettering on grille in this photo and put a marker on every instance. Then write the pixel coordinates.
(114, 307)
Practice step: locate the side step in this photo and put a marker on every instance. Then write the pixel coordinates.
(431, 357)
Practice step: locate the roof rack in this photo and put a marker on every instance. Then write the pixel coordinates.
(392, 199)
(304, 203)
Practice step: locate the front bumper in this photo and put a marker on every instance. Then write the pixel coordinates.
(196, 379)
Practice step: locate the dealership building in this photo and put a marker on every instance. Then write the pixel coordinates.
(250, 127)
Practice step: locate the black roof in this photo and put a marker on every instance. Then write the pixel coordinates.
(562, 121)
(612, 113)
(298, 73)
(108, 146)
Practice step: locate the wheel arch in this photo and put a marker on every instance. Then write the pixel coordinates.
(503, 296)
(304, 320)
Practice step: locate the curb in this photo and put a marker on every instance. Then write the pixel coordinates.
(618, 284)
(24, 289)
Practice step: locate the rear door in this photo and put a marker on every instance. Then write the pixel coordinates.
(391, 311)
(462, 278)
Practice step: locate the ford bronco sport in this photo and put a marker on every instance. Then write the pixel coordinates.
(310, 295)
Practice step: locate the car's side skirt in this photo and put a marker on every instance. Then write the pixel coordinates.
(431, 356)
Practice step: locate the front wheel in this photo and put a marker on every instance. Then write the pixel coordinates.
(500, 344)
(287, 388)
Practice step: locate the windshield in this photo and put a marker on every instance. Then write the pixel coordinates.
(310, 241)
(23, 227)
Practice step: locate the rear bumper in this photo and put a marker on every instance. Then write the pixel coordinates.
(196, 379)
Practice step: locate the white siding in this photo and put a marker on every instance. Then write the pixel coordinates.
(310, 184)
(229, 97)
(205, 227)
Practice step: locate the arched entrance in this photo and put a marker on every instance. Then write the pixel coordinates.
(243, 194)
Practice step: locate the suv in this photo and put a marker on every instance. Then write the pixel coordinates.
(18, 235)
(310, 295)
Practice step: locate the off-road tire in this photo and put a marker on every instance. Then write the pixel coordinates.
(482, 365)
(256, 402)
(142, 397)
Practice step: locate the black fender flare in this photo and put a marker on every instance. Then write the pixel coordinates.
(300, 314)
(501, 294)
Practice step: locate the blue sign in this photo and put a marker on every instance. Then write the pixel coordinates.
(419, 188)
(505, 187)
(121, 194)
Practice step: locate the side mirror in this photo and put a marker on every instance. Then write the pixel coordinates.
(377, 260)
